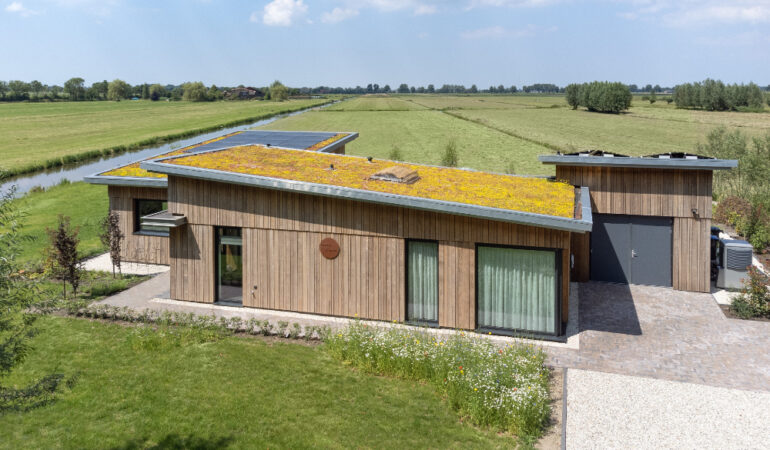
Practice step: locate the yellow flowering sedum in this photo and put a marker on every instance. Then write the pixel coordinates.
(535, 195)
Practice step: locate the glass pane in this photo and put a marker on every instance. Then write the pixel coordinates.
(517, 289)
(422, 281)
(229, 265)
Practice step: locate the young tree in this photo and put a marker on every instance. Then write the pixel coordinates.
(214, 93)
(451, 157)
(403, 88)
(431, 89)
(112, 238)
(19, 308)
(64, 245)
(653, 98)
(156, 92)
(118, 90)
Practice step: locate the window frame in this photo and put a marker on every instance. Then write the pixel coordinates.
(138, 219)
(558, 325)
(407, 320)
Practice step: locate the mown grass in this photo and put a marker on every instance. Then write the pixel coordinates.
(85, 204)
(494, 132)
(39, 135)
(422, 136)
(220, 392)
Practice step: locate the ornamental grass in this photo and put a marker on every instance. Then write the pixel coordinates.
(527, 194)
(505, 388)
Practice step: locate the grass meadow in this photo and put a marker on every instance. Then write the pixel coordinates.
(493, 132)
(34, 134)
(135, 390)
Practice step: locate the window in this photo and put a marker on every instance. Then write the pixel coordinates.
(146, 207)
(517, 289)
(422, 281)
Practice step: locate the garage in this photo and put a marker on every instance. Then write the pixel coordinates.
(631, 249)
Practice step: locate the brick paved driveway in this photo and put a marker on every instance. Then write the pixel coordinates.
(666, 334)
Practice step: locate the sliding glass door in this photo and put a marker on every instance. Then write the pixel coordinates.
(422, 281)
(517, 289)
(229, 266)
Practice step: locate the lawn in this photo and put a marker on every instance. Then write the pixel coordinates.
(33, 133)
(85, 204)
(494, 132)
(242, 392)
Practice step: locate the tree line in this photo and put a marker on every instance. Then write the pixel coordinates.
(75, 89)
(714, 95)
(599, 96)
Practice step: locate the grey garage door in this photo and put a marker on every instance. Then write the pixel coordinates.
(631, 249)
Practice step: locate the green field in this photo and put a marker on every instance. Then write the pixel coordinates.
(136, 389)
(495, 131)
(33, 133)
(85, 204)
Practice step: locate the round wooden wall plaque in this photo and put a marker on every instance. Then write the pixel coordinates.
(329, 248)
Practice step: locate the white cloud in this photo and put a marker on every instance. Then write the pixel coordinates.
(498, 32)
(20, 9)
(423, 10)
(281, 13)
(338, 15)
(699, 12)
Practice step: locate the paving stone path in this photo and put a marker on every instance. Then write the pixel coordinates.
(666, 334)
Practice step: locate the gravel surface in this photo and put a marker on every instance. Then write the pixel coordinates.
(618, 411)
(104, 264)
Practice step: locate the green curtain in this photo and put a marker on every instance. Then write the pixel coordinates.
(422, 281)
(517, 289)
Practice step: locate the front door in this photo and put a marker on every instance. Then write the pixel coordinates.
(229, 266)
(631, 249)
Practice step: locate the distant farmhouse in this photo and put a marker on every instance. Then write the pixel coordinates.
(244, 93)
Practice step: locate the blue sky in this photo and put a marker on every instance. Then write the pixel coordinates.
(348, 43)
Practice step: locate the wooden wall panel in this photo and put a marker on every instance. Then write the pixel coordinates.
(192, 263)
(284, 270)
(137, 247)
(643, 192)
(457, 285)
(581, 250)
(691, 255)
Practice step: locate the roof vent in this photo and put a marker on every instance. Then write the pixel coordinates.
(397, 174)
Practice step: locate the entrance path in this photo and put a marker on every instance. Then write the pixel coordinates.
(666, 334)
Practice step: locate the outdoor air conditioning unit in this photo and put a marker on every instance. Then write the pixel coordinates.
(734, 263)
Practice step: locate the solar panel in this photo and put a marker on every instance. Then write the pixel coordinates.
(289, 139)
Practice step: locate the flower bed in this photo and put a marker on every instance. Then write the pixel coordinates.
(504, 388)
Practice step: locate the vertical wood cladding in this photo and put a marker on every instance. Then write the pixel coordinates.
(282, 232)
(137, 247)
(653, 192)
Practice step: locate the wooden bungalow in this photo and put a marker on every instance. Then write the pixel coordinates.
(267, 226)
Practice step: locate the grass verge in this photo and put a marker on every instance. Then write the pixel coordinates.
(502, 388)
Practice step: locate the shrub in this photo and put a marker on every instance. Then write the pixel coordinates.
(395, 154)
(572, 94)
(451, 157)
(754, 300)
(502, 387)
(731, 207)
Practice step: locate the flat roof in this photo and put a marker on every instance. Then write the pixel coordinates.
(524, 200)
(598, 158)
(321, 141)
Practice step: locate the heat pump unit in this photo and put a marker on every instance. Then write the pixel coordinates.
(735, 260)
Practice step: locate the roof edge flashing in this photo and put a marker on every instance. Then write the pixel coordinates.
(126, 181)
(639, 162)
(464, 209)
